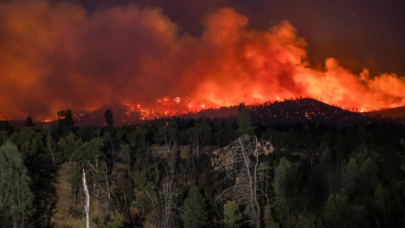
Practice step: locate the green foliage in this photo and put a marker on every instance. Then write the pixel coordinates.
(225, 135)
(137, 138)
(403, 142)
(286, 187)
(232, 216)
(306, 221)
(328, 183)
(145, 188)
(330, 177)
(16, 197)
(199, 135)
(351, 176)
(264, 182)
(3, 136)
(381, 198)
(53, 151)
(268, 218)
(90, 152)
(116, 220)
(28, 140)
(337, 211)
(381, 202)
(368, 181)
(244, 123)
(69, 145)
(88, 133)
(194, 210)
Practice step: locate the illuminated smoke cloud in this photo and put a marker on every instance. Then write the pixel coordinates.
(58, 56)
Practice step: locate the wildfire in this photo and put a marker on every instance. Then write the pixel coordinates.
(72, 66)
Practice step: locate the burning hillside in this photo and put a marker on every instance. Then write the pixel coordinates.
(70, 59)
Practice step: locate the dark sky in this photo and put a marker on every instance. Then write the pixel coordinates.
(359, 33)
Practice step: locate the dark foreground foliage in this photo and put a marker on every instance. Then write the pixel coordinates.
(174, 173)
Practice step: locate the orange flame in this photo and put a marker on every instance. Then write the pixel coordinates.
(53, 58)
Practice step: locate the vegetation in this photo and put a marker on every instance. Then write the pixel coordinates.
(193, 173)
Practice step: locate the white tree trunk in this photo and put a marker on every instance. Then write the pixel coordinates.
(86, 201)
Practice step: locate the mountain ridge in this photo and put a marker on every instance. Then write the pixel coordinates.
(298, 111)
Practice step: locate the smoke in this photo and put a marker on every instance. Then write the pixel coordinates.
(57, 56)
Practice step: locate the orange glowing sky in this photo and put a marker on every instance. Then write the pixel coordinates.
(57, 56)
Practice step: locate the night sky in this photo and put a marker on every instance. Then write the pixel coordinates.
(361, 34)
(81, 55)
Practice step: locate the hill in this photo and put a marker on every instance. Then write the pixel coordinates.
(299, 111)
(398, 112)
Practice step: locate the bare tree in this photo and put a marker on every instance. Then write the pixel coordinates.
(87, 200)
(240, 162)
(163, 203)
(170, 135)
(199, 137)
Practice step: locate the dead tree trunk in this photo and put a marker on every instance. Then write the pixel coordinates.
(86, 201)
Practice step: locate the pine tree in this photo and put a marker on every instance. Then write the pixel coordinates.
(15, 194)
(286, 187)
(268, 218)
(109, 119)
(367, 181)
(350, 177)
(328, 169)
(195, 212)
(29, 122)
(116, 220)
(65, 121)
(381, 202)
(231, 215)
(337, 211)
(243, 117)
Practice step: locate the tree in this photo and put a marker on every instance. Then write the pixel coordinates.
(109, 119)
(164, 203)
(199, 136)
(116, 220)
(240, 161)
(286, 187)
(15, 194)
(55, 154)
(350, 177)
(3, 136)
(194, 210)
(381, 204)
(65, 121)
(169, 134)
(243, 117)
(86, 200)
(327, 170)
(231, 215)
(368, 180)
(29, 122)
(28, 140)
(268, 218)
(336, 210)
(5, 125)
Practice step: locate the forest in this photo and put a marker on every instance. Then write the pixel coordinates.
(189, 173)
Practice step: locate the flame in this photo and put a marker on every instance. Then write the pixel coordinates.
(55, 51)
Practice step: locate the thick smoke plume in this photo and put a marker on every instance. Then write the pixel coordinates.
(57, 56)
